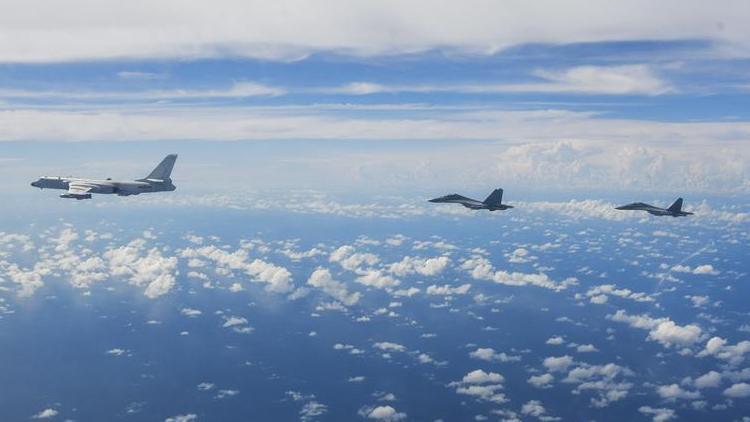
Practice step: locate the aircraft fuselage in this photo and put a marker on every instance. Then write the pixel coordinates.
(120, 188)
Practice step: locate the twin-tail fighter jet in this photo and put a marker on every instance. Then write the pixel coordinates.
(494, 202)
(157, 181)
(674, 210)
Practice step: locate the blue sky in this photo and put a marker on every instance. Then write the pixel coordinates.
(596, 93)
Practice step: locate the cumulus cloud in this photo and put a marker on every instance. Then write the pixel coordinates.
(277, 279)
(422, 266)
(351, 260)
(662, 330)
(46, 414)
(674, 391)
(377, 279)
(143, 267)
(606, 381)
(480, 268)
(700, 269)
(447, 290)
(489, 354)
(237, 324)
(719, 348)
(190, 417)
(668, 333)
(598, 294)
(541, 381)
(311, 410)
(388, 346)
(322, 279)
(382, 413)
(558, 364)
(536, 409)
(711, 379)
(481, 385)
(738, 391)
(658, 414)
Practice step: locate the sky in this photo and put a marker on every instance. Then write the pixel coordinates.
(575, 96)
(298, 271)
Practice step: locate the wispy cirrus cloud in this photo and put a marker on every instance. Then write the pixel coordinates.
(636, 79)
(236, 90)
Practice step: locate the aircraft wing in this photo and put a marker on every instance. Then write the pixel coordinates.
(78, 191)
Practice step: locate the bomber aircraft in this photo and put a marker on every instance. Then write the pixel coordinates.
(492, 203)
(157, 181)
(674, 210)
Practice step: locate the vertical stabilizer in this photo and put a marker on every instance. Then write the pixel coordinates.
(495, 198)
(164, 169)
(677, 206)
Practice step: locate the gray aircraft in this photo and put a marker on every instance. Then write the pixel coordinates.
(157, 181)
(674, 210)
(492, 203)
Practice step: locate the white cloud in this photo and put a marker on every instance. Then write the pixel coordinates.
(598, 294)
(555, 341)
(719, 348)
(674, 391)
(447, 290)
(533, 408)
(143, 267)
(383, 413)
(311, 410)
(558, 364)
(272, 31)
(645, 151)
(738, 391)
(46, 414)
(322, 279)
(519, 256)
(349, 259)
(700, 269)
(478, 376)
(480, 268)
(482, 385)
(277, 279)
(388, 346)
(489, 354)
(190, 312)
(190, 417)
(658, 414)
(633, 79)
(662, 330)
(376, 278)
(668, 333)
(586, 348)
(605, 380)
(237, 324)
(711, 379)
(541, 381)
(423, 266)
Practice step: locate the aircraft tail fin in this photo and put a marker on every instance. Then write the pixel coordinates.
(676, 206)
(164, 169)
(495, 198)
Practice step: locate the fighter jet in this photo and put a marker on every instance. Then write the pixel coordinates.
(157, 181)
(674, 210)
(492, 203)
